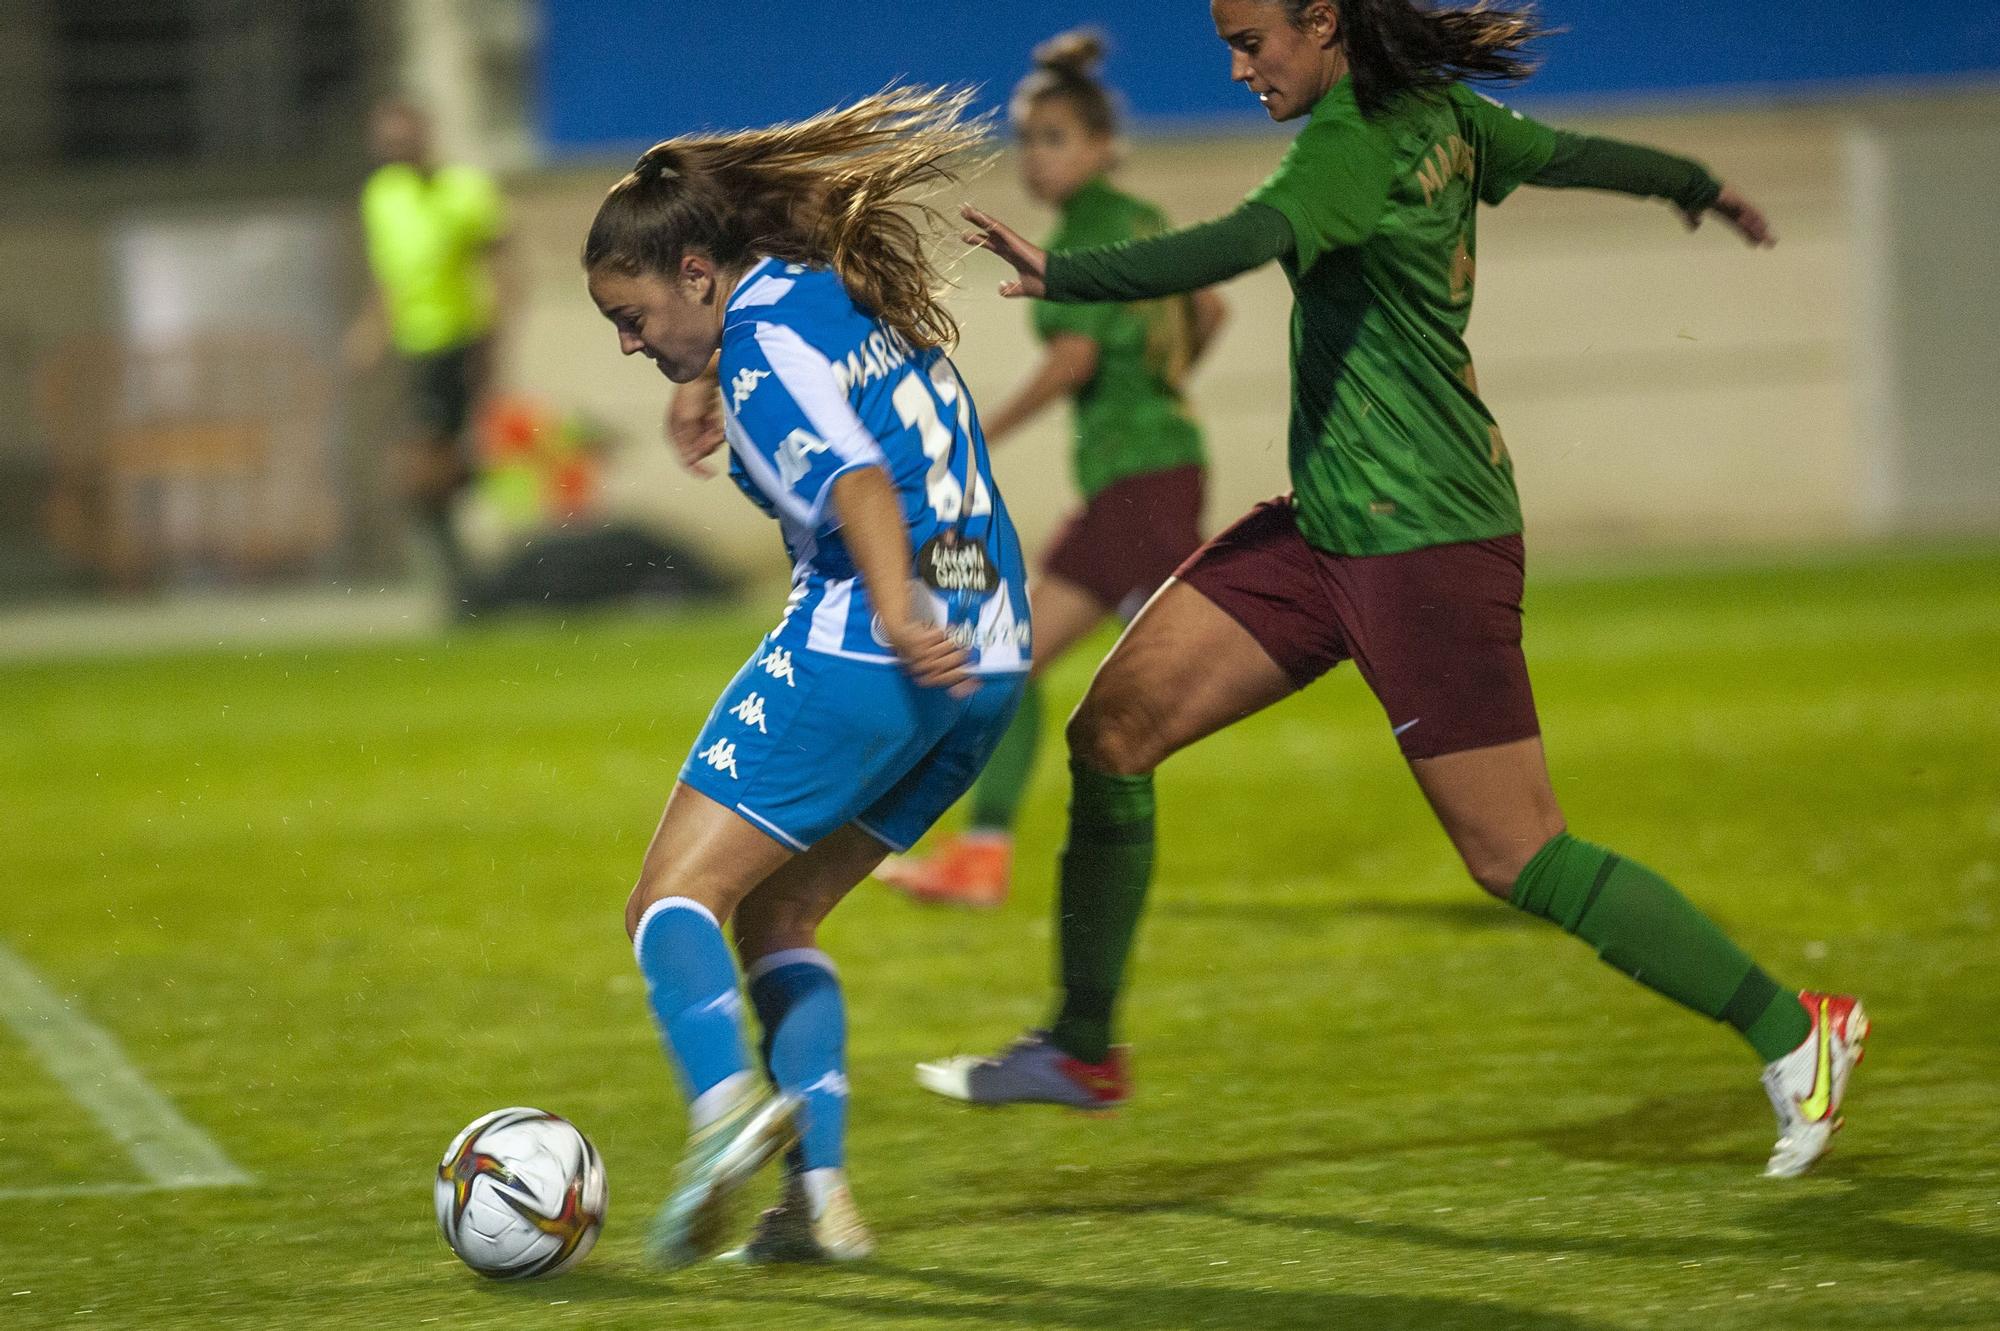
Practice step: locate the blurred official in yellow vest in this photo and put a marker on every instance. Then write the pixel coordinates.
(435, 236)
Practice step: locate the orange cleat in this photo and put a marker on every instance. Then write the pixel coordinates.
(969, 870)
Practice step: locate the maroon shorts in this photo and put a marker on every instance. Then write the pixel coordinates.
(1435, 632)
(1131, 537)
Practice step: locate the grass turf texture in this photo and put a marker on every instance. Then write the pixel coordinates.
(337, 903)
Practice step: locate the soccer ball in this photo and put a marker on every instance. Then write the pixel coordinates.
(521, 1194)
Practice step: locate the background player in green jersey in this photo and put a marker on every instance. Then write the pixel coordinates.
(1137, 451)
(1400, 547)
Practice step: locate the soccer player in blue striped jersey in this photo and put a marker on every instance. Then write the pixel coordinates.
(784, 267)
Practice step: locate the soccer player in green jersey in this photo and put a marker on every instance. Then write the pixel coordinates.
(1137, 452)
(1400, 546)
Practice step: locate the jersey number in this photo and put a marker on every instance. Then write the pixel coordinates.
(918, 408)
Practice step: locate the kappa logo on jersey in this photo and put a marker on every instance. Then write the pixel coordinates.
(721, 755)
(751, 712)
(777, 664)
(795, 455)
(744, 385)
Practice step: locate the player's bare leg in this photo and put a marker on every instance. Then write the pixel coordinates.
(797, 995)
(974, 867)
(703, 861)
(1182, 671)
(1500, 811)
(1497, 806)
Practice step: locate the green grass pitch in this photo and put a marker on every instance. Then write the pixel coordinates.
(335, 903)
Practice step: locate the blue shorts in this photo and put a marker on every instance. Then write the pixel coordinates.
(802, 743)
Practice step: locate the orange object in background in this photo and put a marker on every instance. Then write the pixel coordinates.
(536, 468)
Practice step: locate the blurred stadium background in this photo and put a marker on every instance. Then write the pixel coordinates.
(179, 253)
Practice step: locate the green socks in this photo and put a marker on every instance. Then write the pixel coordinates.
(996, 796)
(1640, 925)
(1105, 869)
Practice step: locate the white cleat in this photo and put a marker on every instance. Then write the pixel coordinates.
(719, 1159)
(1808, 1085)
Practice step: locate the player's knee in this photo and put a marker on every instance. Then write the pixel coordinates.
(1493, 876)
(1496, 866)
(765, 926)
(656, 886)
(635, 907)
(1113, 736)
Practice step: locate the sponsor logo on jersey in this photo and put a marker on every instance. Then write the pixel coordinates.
(777, 663)
(950, 563)
(881, 354)
(751, 712)
(744, 385)
(795, 456)
(721, 755)
(971, 637)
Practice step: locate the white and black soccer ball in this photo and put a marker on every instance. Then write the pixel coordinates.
(521, 1194)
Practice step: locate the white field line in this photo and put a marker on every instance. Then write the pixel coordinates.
(59, 1190)
(84, 1058)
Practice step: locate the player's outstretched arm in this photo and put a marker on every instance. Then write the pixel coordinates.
(1168, 264)
(872, 527)
(1028, 260)
(1743, 217)
(1068, 363)
(1584, 161)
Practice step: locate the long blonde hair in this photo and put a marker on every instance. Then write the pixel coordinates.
(843, 189)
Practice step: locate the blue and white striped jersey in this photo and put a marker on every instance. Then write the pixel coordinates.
(813, 387)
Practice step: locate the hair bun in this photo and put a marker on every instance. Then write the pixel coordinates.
(662, 161)
(1077, 52)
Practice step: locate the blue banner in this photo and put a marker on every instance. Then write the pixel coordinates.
(620, 73)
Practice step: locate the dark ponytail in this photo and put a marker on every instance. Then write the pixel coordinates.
(1066, 67)
(1399, 46)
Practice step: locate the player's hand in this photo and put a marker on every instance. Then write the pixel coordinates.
(1030, 261)
(932, 658)
(1743, 217)
(694, 424)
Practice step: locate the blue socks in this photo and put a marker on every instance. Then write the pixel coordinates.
(692, 987)
(797, 995)
(691, 984)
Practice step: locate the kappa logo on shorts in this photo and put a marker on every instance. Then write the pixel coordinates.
(777, 664)
(751, 712)
(721, 755)
(744, 385)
